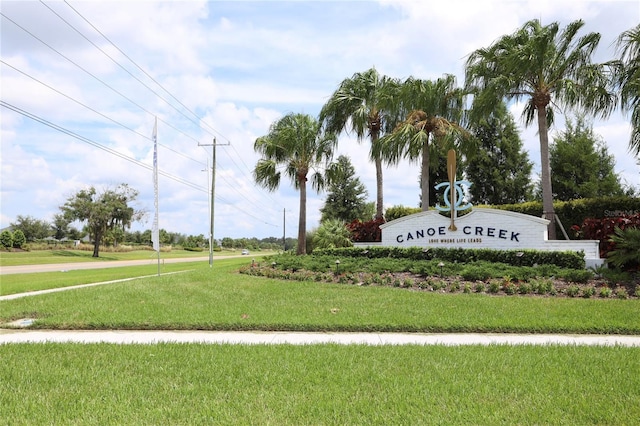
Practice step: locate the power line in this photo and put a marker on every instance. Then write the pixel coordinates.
(231, 185)
(124, 96)
(141, 69)
(148, 75)
(96, 111)
(95, 144)
(100, 80)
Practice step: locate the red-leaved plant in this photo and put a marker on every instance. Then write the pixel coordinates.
(365, 232)
(603, 229)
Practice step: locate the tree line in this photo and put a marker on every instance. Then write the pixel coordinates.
(548, 67)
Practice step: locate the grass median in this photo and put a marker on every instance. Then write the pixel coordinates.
(222, 299)
(24, 283)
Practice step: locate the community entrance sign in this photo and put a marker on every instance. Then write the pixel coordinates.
(480, 228)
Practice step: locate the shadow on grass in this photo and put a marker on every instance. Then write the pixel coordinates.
(87, 255)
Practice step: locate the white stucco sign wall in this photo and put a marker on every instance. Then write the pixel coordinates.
(481, 228)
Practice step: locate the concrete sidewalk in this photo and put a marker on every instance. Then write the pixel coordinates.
(8, 336)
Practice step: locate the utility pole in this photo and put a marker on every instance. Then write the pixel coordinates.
(213, 192)
(284, 233)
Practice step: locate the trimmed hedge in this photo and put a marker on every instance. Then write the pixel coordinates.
(576, 211)
(566, 259)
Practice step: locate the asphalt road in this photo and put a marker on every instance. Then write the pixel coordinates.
(26, 269)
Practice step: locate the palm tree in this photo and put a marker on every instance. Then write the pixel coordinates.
(548, 68)
(296, 144)
(363, 104)
(332, 233)
(627, 80)
(433, 111)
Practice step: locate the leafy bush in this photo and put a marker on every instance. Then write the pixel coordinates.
(621, 293)
(6, 239)
(587, 292)
(626, 253)
(509, 288)
(475, 273)
(604, 292)
(574, 212)
(573, 290)
(19, 240)
(576, 276)
(524, 288)
(396, 212)
(365, 231)
(604, 229)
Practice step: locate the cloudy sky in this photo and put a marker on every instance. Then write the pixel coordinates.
(82, 83)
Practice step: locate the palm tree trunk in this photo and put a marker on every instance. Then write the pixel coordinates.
(545, 165)
(302, 220)
(378, 163)
(379, 198)
(424, 178)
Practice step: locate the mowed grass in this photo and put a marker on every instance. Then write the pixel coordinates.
(222, 299)
(99, 384)
(24, 283)
(38, 257)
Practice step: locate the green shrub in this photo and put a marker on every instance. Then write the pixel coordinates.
(479, 288)
(19, 240)
(576, 276)
(509, 288)
(574, 212)
(587, 292)
(621, 293)
(524, 288)
(475, 273)
(573, 290)
(494, 286)
(604, 292)
(626, 254)
(396, 212)
(6, 239)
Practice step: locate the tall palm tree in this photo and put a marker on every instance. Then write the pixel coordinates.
(363, 104)
(627, 80)
(295, 145)
(433, 111)
(549, 69)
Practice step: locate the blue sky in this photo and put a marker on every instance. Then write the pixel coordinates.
(228, 70)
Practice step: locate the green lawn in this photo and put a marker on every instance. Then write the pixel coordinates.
(310, 384)
(37, 257)
(23, 283)
(222, 299)
(100, 384)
